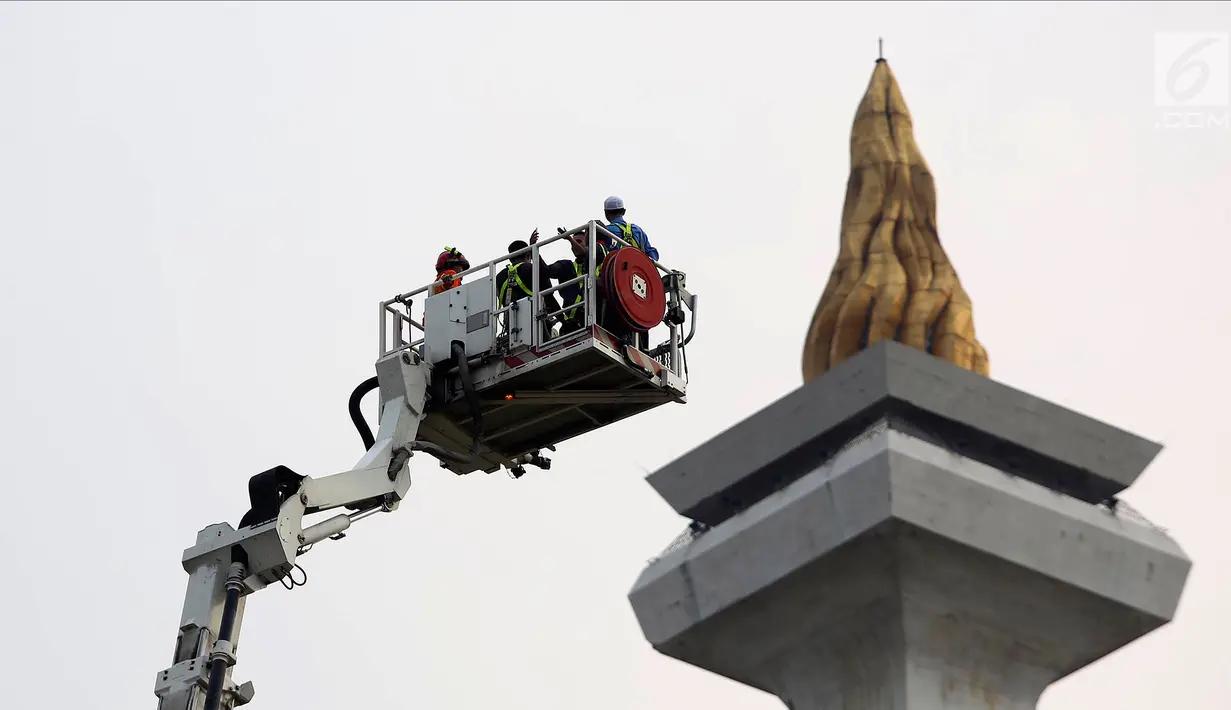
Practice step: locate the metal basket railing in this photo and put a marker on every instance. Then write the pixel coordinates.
(400, 329)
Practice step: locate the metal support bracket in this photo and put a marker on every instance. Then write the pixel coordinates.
(187, 681)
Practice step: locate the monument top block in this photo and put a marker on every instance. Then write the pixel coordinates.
(967, 413)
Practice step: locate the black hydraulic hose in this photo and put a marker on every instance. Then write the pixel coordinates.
(472, 396)
(220, 659)
(356, 416)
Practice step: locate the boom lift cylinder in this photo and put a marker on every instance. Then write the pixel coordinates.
(223, 656)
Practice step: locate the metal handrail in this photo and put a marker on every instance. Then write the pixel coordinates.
(406, 299)
(660, 267)
(559, 286)
(533, 248)
(591, 231)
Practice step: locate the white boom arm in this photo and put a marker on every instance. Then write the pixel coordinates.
(227, 564)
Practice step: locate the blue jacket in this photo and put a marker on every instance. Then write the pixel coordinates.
(640, 240)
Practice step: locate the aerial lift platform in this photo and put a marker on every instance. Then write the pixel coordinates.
(533, 389)
(477, 384)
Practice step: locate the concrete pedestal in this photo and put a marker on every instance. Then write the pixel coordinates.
(895, 573)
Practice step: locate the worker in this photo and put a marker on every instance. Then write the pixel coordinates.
(566, 270)
(613, 207)
(449, 264)
(635, 236)
(513, 284)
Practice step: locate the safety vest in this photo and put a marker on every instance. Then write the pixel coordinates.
(453, 281)
(512, 276)
(601, 256)
(581, 290)
(627, 230)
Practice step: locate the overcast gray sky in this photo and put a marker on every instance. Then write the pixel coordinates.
(202, 204)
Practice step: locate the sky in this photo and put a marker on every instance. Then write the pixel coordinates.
(201, 206)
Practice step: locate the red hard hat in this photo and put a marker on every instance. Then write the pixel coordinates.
(451, 258)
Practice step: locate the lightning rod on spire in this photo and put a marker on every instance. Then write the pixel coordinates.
(880, 49)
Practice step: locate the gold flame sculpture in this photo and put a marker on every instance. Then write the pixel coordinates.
(892, 279)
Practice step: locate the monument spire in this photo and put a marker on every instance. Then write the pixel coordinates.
(899, 533)
(892, 279)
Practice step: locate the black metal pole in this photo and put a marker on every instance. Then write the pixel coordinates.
(221, 659)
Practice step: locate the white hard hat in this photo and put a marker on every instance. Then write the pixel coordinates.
(613, 203)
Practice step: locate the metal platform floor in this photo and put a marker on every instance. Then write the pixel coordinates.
(538, 398)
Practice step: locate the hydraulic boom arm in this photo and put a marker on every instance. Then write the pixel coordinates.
(228, 564)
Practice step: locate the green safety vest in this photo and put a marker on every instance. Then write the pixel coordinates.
(512, 277)
(581, 290)
(627, 230)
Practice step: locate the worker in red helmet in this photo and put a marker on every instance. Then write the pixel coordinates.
(449, 264)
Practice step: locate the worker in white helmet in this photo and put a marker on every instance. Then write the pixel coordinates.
(635, 236)
(613, 207)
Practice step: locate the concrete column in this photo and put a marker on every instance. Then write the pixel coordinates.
(892, 536)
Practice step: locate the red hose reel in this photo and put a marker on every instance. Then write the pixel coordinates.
(634, 291)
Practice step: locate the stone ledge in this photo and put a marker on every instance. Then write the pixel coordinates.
(896, 485)
(934, 400)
